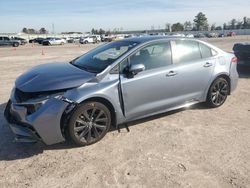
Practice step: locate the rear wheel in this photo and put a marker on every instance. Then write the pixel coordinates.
(217, 93)
(15, 44)
(89, 123)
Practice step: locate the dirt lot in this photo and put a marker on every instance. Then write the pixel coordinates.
(196, 147)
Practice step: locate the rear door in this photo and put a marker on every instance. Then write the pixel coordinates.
(193, 65)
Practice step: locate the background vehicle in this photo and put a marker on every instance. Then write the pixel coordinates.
(190, 36)
(200, 35)
(106, 38)
(22, 41)
(116, 83)
(221, 35)
(212, 35)
(231, 34)
(98, 38)
(76, 39)
(73, 39)
(53, 41)
(242, 52)
(89, 39)
(36, 40)
(6, 41)
(177, 35)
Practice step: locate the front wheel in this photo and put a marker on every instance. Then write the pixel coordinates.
(89, 123)
(217, 93)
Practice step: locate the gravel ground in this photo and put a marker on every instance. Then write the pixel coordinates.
(195, 147)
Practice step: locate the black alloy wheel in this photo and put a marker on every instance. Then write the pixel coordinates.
(89, 123)
(218, 92)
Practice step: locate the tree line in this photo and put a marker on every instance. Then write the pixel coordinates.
(200, 23)
(33, 31)
(237, 24)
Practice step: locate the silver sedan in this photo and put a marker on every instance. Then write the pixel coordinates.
(116, 83)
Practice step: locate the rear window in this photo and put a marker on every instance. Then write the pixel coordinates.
(206, 52)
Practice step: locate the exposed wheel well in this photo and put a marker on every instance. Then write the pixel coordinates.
(66, 116)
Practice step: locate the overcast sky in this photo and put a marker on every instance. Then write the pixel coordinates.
(82, 15)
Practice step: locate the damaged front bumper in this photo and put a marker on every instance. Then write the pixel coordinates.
(35, 120)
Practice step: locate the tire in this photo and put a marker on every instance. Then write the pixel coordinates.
(89, 123)
(15, 44)
(86, 42)
(217, 93)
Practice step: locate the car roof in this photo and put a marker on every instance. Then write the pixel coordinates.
(151, 38)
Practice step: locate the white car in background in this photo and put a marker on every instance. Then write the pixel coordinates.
(178, 35)
(54, 41)
(98, 37)
(190, 36)
(89, 39)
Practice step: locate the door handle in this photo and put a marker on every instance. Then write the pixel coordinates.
(171, 73)
(207, 64)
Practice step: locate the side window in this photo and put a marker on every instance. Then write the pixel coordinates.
(206, 52)
(6, 38)
(187, 51)
(1, 38)
(153, 56)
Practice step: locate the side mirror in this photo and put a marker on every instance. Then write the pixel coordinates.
(135, 69)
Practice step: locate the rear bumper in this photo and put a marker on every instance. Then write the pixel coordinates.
(234, 83)
(42, 125)
(234, 76)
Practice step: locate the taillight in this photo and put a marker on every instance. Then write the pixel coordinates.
(234, 60)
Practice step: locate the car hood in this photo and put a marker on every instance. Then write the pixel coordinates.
(52, 76)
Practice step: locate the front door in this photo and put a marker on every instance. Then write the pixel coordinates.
(150, 90)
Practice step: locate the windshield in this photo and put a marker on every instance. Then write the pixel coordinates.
(100, 58)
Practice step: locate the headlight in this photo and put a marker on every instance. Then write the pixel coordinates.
(33, 105)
